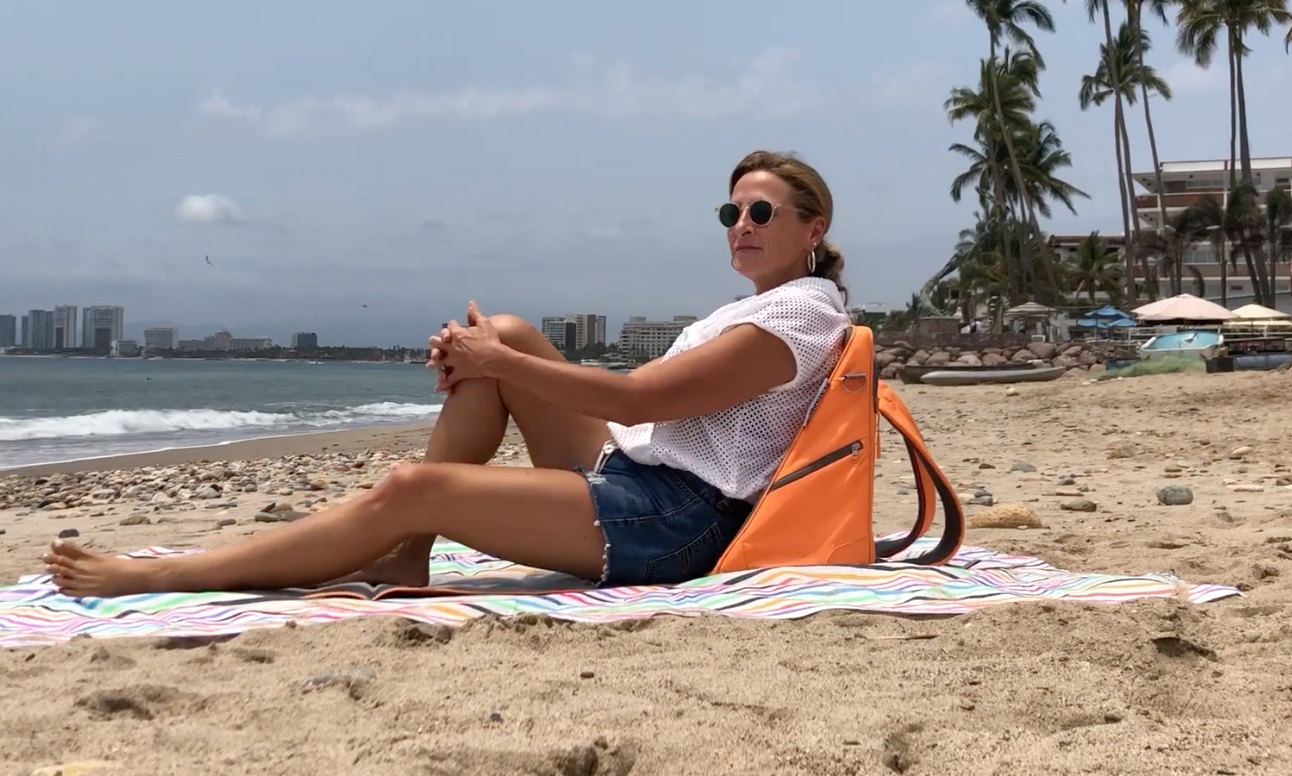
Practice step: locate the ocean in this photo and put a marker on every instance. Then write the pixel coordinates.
(65, 409)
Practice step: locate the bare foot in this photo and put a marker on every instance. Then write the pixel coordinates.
(409, 566)
(79, 572)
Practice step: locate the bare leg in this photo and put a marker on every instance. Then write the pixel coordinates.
(471, 426)
(537, 517)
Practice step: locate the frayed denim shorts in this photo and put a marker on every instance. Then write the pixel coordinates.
(661, 525)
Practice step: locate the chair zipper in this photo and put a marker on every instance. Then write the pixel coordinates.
(853, 449)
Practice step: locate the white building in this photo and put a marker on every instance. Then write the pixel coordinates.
(651, 338)
(1185, 184)
(161, 338)
(574, 331)
(102, 325)
(65, 327)
(125, 348)
(250, 343)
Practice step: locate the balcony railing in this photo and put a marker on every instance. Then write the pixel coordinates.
(1148, 202)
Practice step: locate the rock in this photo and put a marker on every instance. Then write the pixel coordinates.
(1022, 466)
(1240, 453)
(1023, 356)
(993, 359)
(162, 498)
(1079, 505)
(68, 533)
(1006, 516)
(939, 358)
(1282, 482)
(136, 520)
(206, 492)
(104, 494)
(1249, 489)
(225, 522)
(1174, 495)
(1043, 350)
(1067, 479)
(969, 359)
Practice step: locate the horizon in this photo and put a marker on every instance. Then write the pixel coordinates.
(392, 160)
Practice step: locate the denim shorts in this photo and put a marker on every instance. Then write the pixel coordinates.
(661, 525)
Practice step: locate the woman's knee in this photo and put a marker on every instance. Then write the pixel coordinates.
(408, 485)
(517, 333)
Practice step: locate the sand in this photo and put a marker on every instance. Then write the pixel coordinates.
(1154, 687)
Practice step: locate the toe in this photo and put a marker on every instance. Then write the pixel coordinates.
(69, 550)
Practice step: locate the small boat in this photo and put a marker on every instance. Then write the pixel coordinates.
(1187, 343)
(914, 373)
(1019, 374)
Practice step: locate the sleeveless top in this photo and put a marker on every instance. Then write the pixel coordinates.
(738, 449)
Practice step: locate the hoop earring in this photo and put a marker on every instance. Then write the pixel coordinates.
(812, 261)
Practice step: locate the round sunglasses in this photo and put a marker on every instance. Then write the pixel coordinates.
(760, 213)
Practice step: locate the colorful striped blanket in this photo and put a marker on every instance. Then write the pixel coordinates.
(469, 584)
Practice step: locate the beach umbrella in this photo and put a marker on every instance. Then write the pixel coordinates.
(1108, 311)
(1185, 307)
(1256, 312)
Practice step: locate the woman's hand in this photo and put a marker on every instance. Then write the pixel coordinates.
(463, 353)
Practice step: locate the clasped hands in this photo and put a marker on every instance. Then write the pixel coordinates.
(460, 353)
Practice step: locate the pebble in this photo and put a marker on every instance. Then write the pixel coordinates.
(1022, 466)
(68, 533)
(1240, 453)
(1174, 495)
(136, 520)
(1079, 505)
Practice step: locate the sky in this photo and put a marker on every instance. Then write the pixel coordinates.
(411, 155)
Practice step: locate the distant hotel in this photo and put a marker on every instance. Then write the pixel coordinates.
(305, 340)
(1185, 184)
(574, 331)
(652, 338)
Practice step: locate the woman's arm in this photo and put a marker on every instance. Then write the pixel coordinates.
(741, 364)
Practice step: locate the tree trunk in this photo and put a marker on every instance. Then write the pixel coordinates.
(1150, 276)
(1128, 278)
(1007, 252)
(1233, 179)
(1177, 277)
(1256, 264)
(1123, 160)
(1027, 244)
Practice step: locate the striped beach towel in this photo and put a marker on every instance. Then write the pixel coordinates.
(467, 584)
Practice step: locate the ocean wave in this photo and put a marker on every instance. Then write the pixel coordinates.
(118, 423)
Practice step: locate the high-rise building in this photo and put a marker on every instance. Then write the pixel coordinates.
(161, 338)
(24, 335)
(305, 340)
(40, 330)
(101, 326)
(652, 338)
(8, 331)
(65, 327)
(574, 331)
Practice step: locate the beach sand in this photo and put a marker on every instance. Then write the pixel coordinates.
(1153, 687)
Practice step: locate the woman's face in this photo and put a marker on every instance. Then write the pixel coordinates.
(776, 251)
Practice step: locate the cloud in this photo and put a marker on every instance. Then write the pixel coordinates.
(1185, 77)
(208, 209)
(764, 87)
(74, 133)
(948, 13)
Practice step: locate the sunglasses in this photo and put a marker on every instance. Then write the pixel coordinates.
(760, 213)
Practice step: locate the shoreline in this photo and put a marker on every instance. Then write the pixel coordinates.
(391, 437)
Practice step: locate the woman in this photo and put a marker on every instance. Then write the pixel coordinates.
(638, 478)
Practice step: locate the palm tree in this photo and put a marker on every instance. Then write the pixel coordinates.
(1095, 90)
(1201, 22)
(1134, 17)
(1093, 269)
(1238, 221)
(1006, 19)
(1130, 213)
(1278, 234)
(1172, 243)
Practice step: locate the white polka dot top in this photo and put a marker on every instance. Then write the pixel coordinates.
(737, 450)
